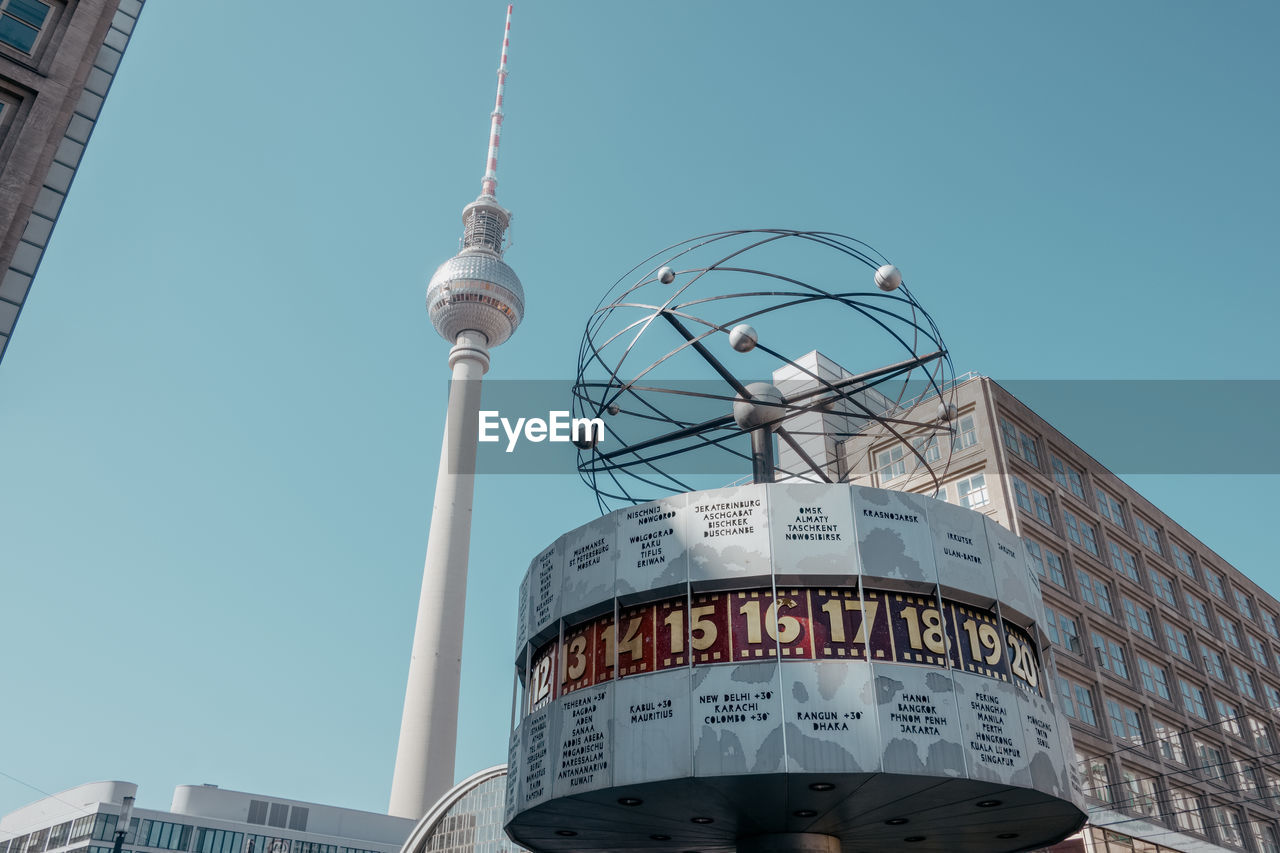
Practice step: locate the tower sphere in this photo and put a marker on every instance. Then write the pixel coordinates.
(888, 278)
(475, 291)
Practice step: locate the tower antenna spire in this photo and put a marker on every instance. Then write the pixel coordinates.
(489, 184)
(484, 221)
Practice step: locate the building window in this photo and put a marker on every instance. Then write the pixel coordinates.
(1019, 443)
(1067, 477)
(1213, 663)
(1077, 701)
(1264, 837)
(1269, 624)
(1184, 808)
(1032, 500)
(1198, 609)
(298, 818)
(1229, 632)
(1010, 436)
(104, 827)
(266, 844)
(1244, 681)
(1126, 725)
(1047, 563)
(1090, 539)
(21, 22)
(1095, 591)
(1062, 629)
(313, 847)
(1111, 656)
(278, 815)
(1247, 778)
(1147, 534)
(1228, 821)
(1140, 794)
(1138, 618)
(1178, 642)
(1228, 718)
(1124, 562)
(218, 840)
(1110, 508)
(81, 828)
(1258, 650)
(1242, 603)
(257, 812)
(891, 463)
(971, 492)
(1182, 560)
(1081, 533)
(1097, 776)
(1169, 741)
(1163, 587)
(1042, 506)
(1193, 699)
(1213, 581)
(1022, 494)
(166, 836)
(1260, 736)
(1057, 573)
(1029, 449)
(1051, 625)
(1154, 678)
(966, 435)
(57, 835)
(1209, 759)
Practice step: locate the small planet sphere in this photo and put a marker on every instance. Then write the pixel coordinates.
(888, 278)
(757, 411)
(743, 338)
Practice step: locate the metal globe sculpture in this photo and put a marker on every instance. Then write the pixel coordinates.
(669, 355)
(806, 663)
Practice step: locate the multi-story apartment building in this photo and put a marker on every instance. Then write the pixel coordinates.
(1168, 657)
(57, 61)
(201, 819)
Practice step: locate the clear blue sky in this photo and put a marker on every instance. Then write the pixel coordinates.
(221, 409)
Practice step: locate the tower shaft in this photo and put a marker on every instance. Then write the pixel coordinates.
(429, 725)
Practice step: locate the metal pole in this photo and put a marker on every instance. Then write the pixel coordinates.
(762, 455)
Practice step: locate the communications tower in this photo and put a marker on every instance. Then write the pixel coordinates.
(476, 302)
